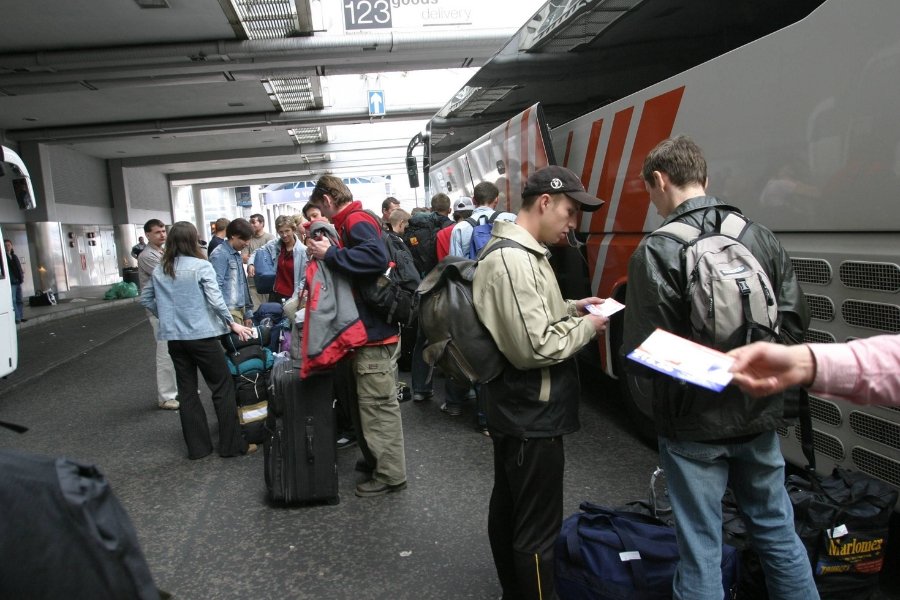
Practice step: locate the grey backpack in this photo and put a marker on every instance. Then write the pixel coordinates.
(458, 342)
(731, 299)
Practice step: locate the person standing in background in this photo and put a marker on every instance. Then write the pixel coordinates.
(16, 278)
(166, 391)
(229, 268)
(218, 236)
(259, 239)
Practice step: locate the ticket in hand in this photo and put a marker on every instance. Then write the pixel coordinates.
(609, 307)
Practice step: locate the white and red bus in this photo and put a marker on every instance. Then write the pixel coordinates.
(795, 106)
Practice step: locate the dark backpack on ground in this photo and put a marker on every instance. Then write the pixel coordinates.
(458, 342)
(64, 534)
(421, 239)
(392, 294)
(250, 363)
(481, 232)
(731, 299)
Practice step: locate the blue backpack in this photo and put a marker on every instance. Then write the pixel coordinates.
(264, 279)
(481, 233)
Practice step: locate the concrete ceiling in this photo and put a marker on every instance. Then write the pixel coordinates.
(179, 89)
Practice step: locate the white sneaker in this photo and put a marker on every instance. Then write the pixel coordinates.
(169, 405)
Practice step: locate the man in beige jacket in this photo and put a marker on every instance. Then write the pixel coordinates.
(534, 402)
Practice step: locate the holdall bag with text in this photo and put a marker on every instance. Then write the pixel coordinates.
(843, 521)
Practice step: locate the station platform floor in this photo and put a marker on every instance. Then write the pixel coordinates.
(85, 387)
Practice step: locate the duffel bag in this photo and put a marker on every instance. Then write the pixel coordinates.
(606, 554)
(843, 521)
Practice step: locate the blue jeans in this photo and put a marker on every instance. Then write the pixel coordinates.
(697, 474)
(17, 300)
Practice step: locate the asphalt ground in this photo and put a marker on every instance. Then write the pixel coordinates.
(86, 389)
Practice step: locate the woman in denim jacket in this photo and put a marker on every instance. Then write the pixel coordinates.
(184, 295)
(289, 256)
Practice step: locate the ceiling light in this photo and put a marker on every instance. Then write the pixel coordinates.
(152, 3)
(292, 94)
(267, 19)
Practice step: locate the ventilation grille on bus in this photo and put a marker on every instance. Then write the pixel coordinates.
(876, 465)
(882, 277)
(825, 411)
(872, 315)
(812, 270)
(820, 307)
(816, 336)
(826, 444)
(875, 429)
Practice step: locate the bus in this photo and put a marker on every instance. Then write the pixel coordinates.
(15, 189)
(794, 104)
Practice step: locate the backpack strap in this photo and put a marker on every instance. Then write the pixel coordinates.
(471, 222)
(503, 243)
(679, 231)
(494, 216)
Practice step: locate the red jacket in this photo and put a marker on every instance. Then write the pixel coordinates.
(442, 241)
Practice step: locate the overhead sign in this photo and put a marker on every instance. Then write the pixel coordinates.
(376, 103)
(414, 14)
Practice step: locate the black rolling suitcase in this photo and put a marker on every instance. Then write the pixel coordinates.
(300, 454)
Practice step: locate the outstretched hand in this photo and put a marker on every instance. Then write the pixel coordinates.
(763, 368)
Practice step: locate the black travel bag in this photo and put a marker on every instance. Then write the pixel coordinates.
(300, 453)
(64, 533)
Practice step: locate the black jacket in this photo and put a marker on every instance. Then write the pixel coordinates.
(16, 274)
(655, 300)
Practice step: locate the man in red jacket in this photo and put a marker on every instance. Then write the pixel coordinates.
(361, 254)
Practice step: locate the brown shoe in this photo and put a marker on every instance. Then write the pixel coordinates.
(251, 448)
(374, 487)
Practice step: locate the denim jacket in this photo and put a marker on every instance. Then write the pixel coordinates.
(274, 247)
(189, 306)
(231, 278)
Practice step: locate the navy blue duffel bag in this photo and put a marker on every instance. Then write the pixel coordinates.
(606, 554)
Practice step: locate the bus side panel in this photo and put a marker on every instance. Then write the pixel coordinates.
(800, 131)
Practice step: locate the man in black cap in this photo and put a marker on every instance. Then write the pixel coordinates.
(534, 402)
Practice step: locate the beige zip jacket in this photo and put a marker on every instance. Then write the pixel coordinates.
(518, 299)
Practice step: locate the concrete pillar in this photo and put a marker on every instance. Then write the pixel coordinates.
(42, 225)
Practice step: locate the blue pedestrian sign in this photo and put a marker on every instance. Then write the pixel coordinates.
(376, 103)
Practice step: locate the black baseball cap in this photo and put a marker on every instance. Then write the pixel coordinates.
(560, 180)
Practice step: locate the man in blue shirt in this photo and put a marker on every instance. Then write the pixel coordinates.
(229, 267)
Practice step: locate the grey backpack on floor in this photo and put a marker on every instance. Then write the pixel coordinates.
(732, 301)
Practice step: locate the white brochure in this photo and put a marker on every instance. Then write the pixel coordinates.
(675, 356)
(606, 309)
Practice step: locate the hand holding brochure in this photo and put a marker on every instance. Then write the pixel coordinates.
(685, 360)
(608, 308)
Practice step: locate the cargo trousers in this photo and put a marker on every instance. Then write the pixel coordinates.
(379, 411)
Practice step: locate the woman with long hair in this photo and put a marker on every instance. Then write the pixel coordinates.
(184, 295)
(289, 257)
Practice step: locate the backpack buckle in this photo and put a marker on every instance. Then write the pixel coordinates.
(743, 287)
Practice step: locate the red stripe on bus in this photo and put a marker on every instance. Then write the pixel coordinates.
(568, 148)
(614, 149)
(656, 125)
(588, 167)
(523, 144)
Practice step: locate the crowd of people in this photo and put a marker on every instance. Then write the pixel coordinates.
(718, 440)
